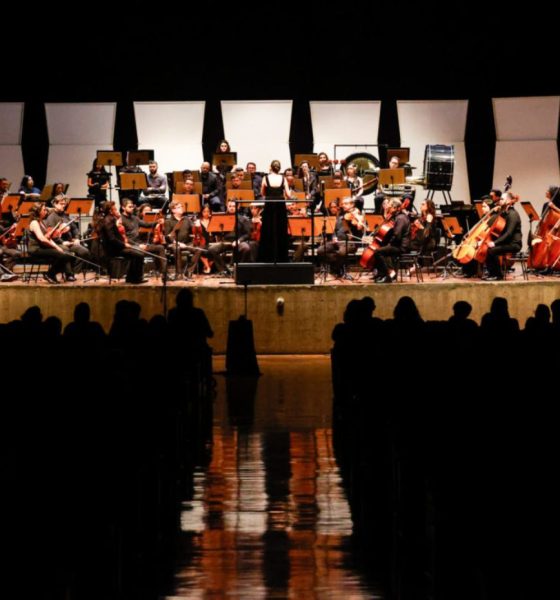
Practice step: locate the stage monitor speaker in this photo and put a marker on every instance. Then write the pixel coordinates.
(276, 274)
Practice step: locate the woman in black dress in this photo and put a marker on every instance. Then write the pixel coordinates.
(274, 240)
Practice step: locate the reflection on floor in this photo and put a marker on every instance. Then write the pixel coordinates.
(269, 518)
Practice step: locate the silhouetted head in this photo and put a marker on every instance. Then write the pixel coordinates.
(368, 304)
(82, 312)
(32, 316)
(499, 307)
(462, 309)
(406, 310)
(542, 313)
(184, 299)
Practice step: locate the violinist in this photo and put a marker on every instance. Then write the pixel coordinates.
(349, 229)
(41, 246)
(241, 240)
(508, 242)
(310, 185)
(132, 224)
(177, 233)
(398, 243)
(423, 229)
(115, 243)
(70, 236)
(256, 223)
(355, 183)
(8, 251)
(209, 252)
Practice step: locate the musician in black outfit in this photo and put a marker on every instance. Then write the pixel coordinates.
(399, 242)
(98, 182)
(211, 188)
(349, 228)
(70, 239)
(509, 241)
(114, 243)
(132, 224)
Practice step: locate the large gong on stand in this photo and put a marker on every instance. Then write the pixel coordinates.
(439, 165)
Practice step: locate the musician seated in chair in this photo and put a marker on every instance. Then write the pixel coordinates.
(156, 191)
(132, 224)
(70, 238)
(508, 242)
(241, 240)
(349, 228)
(43, 247)
(112, 233)
(398, 243)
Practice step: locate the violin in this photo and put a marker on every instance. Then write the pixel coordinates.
(198, 236)
(158, 237)
(256, 224)
(53, 233)
(8, 238)
(122, 230)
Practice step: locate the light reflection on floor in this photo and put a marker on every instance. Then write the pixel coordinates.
(269, 518)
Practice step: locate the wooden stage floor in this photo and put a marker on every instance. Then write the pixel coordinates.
(309, 311)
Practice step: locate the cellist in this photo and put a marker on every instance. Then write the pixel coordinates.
(399, 242)
(508, 242)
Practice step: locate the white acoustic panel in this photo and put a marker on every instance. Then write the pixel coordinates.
(11, 123)
(71, 164)
(90, 124)
(533, 118)
(11, 159)
(533, 166)
(259, 131)
(11, 165)
(173, 130)
(431, 122)
(352, 125)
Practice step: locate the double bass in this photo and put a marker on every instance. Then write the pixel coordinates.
(474, 245)
(545, 243)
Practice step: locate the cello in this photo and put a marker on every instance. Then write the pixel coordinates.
(474, 244)
(545, 250)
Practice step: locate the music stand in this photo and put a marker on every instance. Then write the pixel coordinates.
(298, 184)
(247, 196)
(149, 217)
(80, 207)
(328, 222)
(135, 158)
(451, 227)
(222, 160)
(299, 196)
(133, 181)
(391, 177)
(300, 226)
(312, 159)
(478, 207)
(373, 221)
(221, 223)
(110, 158)
(10, 202)
(326, 181)
(244, 185)
(403, 154)
(25, 207)
(22, 226)
(337, 194)
(190, 202)
(46, 193)
(530, 211)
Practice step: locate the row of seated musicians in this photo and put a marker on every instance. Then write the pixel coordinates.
(197, 242)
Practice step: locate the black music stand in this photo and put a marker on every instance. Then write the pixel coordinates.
(134, 181)
(135, 158)
(80, 207)
(10, 202)
(110, 158)
(451, 228)
(190, 202)
(312, 159)
(391, 177)
(224, 161)
(403, 154)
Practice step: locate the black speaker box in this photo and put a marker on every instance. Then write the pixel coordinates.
(277, 274)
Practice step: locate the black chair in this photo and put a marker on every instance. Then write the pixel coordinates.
(407, 262)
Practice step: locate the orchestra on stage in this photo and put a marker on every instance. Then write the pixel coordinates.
(358, 215)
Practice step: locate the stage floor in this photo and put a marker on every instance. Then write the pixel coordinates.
(302, 326)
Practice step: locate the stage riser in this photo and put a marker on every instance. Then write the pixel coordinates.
(310, 312)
